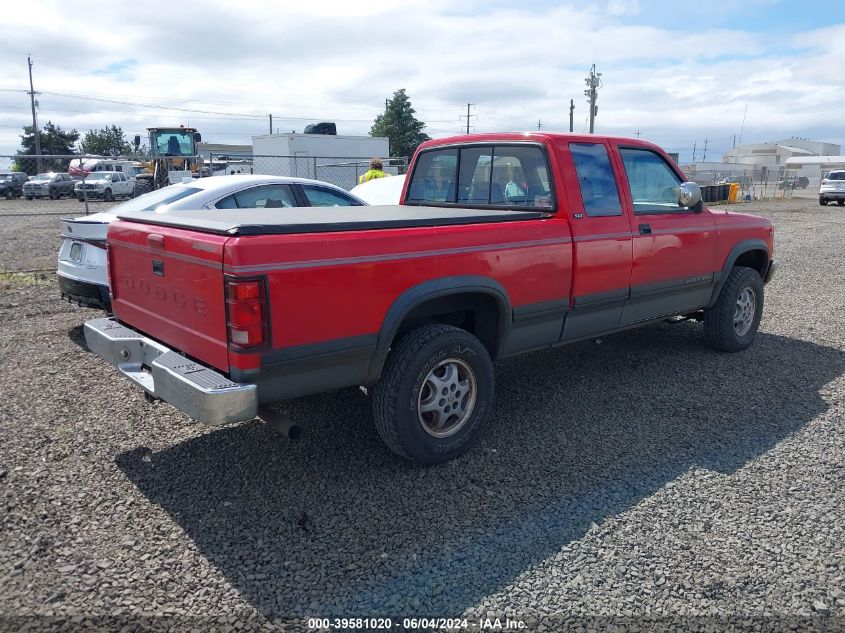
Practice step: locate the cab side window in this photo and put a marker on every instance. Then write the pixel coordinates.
(653, 184)
(595, 177)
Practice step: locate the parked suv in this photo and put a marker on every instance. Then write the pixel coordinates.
(50, 184)
(11, 183)
(833, 188)
(107, 185)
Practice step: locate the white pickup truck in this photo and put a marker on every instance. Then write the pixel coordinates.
(107, 185)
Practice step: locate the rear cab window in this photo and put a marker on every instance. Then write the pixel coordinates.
(494, 175)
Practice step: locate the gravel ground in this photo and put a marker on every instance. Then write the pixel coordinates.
(31, 231)
(642, 476)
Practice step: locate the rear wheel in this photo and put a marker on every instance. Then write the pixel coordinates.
(108, 196)
(29, 197)
(434, 393)
(9, 194)
(142, 187)
(731, 324)
(823, 202)
(840, 202)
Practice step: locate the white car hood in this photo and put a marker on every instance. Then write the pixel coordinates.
(380, 191)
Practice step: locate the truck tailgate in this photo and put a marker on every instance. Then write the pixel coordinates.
(169, 282)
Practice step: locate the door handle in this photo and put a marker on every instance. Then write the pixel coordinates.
(645, 229)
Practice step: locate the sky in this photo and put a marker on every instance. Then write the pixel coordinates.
(676, 73)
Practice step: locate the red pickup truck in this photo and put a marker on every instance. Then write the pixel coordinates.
(503, 243)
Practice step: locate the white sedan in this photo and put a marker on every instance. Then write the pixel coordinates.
(82, 273)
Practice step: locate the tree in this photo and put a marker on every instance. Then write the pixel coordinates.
(400, 126)
(110, 141)
(54, 140)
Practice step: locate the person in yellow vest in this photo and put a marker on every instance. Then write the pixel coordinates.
(376, 171)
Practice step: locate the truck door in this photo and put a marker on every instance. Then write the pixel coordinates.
(601, 233)
(674, 247)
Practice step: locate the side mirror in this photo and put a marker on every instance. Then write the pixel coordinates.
(197, 137)
(137, 140)
(689, 195)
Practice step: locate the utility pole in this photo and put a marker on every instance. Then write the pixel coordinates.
(638, 134)
(271, 123)
(32, 94)
(467, 116)
(704, 157)
(539, 124)
(593, 82)
(571, 114)
(734, 142)
(694, 143)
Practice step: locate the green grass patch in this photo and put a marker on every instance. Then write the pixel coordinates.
(10, 280)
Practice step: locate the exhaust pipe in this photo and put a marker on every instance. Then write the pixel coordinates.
(280, 423)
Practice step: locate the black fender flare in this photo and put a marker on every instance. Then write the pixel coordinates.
(739, 249)
(435, 289)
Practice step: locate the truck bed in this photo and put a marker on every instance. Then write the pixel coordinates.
(292, 220)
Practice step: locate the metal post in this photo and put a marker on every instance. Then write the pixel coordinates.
(593, 82)
(84, 190)
(571, 115)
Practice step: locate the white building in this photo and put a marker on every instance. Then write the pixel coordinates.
(331, 158)
(773, 156)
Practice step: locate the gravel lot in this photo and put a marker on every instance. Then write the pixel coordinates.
(641, 476)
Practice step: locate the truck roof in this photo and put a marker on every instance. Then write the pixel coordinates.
(537, 137)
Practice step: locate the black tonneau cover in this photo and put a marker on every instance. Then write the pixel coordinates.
(278, 221)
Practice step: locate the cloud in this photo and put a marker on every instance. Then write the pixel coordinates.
(623, 7)
(338, 61)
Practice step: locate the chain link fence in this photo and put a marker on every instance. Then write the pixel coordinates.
(341, 171)
(757, 184)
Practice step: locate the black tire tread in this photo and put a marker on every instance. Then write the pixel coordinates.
(385, 392)
(716, 324)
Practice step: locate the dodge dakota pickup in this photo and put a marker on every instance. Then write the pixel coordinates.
(502, 244)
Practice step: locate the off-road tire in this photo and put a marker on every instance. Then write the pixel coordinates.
(396, 394)
(719, 326)
(141, 188)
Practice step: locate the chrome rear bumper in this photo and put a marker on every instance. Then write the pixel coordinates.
(202, 393)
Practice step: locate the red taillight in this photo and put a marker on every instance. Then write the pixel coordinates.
(110, 273)
(246, 312)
